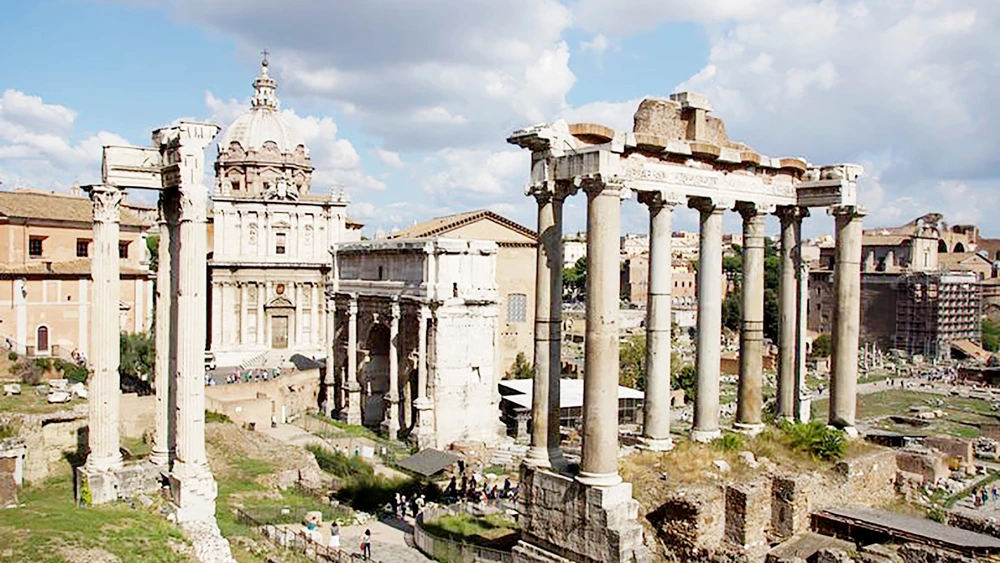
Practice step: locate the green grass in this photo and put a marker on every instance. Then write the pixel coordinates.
(339, 464)
(31, 402)
(467, 528)
(50, 521)
(963, 415)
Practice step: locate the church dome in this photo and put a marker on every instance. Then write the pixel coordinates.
(262, 123)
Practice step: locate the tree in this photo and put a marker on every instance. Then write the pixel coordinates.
(991, 335)
(632, 362)
(575, 280)
(153, 246)
(138, 354)
(520, 369)
(686, 379)
(822, 346)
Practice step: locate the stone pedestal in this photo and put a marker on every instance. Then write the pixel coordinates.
(425, 423)
(95, 486)
(193, 491)
(565, 521)
(353, 410)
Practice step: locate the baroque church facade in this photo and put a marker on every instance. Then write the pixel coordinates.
(271, 240)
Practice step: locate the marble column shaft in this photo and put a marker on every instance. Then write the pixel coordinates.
(332, 369)
(391, 420)
(803, 405)
(791, 222)
(191, 302)
(656, 405)
(546, 450)
(163, 440)
(751, 381)
(708, 357)
(422, 354)
(846, 318)
(599, 466)
(353, 387)
(105, 354)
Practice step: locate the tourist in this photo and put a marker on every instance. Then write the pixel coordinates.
(506, 487)
(452, 488)
(996, 494)
(395, 505)
(366, 545)
(334, 542)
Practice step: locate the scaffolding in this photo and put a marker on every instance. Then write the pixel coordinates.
(933, 309)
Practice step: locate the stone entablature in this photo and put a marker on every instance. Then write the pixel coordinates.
(414, 353)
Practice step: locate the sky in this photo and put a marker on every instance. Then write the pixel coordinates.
(406, 104)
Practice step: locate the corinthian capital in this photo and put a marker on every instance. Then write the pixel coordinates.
(106, 202)
(193, 203)
(657, 199)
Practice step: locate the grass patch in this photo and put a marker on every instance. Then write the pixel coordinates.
(50, 522)
(33, 400)
(472, 529)
(212, 416)
(340, 464)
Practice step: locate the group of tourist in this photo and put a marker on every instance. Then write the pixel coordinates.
(981, 496)
(472, 492)
(245, 376)
(403, 505)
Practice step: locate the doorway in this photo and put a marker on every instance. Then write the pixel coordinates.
(279, 331)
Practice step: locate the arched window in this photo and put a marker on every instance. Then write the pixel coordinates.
(42, 339)
(942, 247)
(959, 247)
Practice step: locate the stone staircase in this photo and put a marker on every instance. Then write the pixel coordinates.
(267, 359)
(507, 456)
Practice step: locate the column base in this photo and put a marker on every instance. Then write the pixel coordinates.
(803, 410)
(656, 444)
(538, 457)
(352, 414)
(850, 431)
(750, 429)
(599, 479)
(95, 486)
(705, 436)
(159, 458)
(193, 491)
(424, 429)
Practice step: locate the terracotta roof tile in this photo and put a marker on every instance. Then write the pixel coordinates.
(56, 207)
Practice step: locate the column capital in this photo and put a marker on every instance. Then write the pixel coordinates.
(106, 202)
(595, 184)
(658, 200)
(193, 204)
(352, 306)
(847, 210)
(710, 205)
(790, 213)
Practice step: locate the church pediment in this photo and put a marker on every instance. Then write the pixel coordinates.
(279, 303)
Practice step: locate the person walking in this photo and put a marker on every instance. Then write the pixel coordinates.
(334, 543)
(366, 545)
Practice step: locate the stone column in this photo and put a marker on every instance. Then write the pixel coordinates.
(353, 387)
(332, 369)
(709, 356)
(314, 308)
(656, 412)
(803, 397)
(599, 466)
(846, 318)
(422, 403)
(751, 382)
(546, 448)
(390, 423)
(791, 224)
(105, 392)
(244, 315)
(163, 441)
(192, 486)
(261, 298)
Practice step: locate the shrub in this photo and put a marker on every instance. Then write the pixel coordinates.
(75, 373)
(339, 464)
(729, 442)
(12, 356)
(815, 438)
(212, 416)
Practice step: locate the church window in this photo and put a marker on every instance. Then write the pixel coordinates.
(123, 250)
(380, 273)
(517, 307)
(82, 248)
(279, 243)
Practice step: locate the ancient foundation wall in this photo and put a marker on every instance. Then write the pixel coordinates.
(960, 449)
(868, 480)
(563, 520)
(929, 464)
(748, 517)
(691, 523)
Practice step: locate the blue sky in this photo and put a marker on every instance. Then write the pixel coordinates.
(406, 104)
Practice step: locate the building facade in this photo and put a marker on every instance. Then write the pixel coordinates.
(515, 273)
(46, 244)
(935, 309)
(270, 240)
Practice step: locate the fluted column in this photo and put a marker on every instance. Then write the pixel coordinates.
(105, 355)
(656, 405)
(353, 387)
(846, 318)
(391, 422)
(163, 440)
(546, 450)
(751, 381)
(244, 315)
(709, 355)
(599, 466)
(332, 369)
(261, 299)
(803, 402)
(791, 224)
(423, 404)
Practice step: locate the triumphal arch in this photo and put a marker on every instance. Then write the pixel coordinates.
(676, 154)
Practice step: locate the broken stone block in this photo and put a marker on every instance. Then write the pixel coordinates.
(59, 397)
(12, 389)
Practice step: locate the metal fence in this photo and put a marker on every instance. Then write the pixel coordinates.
(451, 551)
(288, 539)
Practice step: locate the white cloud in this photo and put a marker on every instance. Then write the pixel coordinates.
(598, 45)
(631, 16)
(388, 158)
(37, 148)
(421, 76)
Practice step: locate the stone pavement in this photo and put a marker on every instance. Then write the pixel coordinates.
(390, 544)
